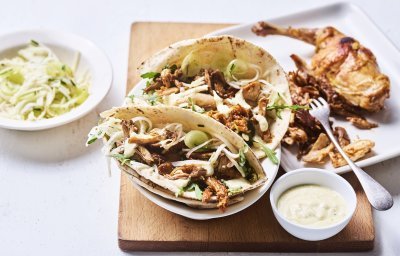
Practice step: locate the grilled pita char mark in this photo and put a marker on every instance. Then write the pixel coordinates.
(341, 61)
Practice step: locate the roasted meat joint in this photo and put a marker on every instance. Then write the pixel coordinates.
(343, 72)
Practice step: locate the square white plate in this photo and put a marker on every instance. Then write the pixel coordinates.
(352, 21)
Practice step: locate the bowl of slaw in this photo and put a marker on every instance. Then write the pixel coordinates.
(49, 78)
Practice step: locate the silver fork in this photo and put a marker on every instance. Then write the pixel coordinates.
(377, 195)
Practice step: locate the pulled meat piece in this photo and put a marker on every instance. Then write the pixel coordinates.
(144, 139)
(216, 82)
(251, 92)
(168, 91)
(355, 150)
(166, 80)
(295, 134)
(144, 155)
(127, 128)
(361, 122)
(207, 193)
(158, 159)
(319, 151)
(190, 171)
(220, 190)
(225, 169)
(239, 119)
(165, 168)
(200, 155)
(342, 136)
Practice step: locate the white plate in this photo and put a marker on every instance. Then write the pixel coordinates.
(352, 21)
(250, 197)
(65, 46)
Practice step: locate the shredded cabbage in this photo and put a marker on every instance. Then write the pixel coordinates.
(36, 85)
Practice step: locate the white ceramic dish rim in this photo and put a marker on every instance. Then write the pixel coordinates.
(351, 210)
(205, 214)
(362, 163)
(100, 64)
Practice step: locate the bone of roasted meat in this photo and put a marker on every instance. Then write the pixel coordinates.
(304, 34)
(342, 61)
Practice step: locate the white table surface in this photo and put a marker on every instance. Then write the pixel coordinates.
(56, 197)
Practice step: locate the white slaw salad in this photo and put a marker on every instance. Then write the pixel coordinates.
(36, 85)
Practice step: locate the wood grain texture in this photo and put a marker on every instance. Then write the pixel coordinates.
(144, 226)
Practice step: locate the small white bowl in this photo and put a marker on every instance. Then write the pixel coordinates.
(318, 177)
(65, 46)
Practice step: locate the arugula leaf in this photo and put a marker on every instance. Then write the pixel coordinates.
(150, 75)
(292, 107)
(34, 43)
(269, 152)
(121, 158)
(91, 140)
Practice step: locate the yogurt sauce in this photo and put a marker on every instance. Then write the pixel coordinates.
(312, 205)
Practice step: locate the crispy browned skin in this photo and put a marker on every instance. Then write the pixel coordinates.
(220, 190)
(349, 67)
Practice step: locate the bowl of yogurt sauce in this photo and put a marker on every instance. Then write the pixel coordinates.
(313, 204)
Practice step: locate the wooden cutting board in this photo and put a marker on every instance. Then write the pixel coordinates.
(144, 226)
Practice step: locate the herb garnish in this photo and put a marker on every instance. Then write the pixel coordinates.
(150, 75)
(279, 108)
(269, 152)
(34, 43)
(121, 158)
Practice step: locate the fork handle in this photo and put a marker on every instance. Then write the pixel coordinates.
(377, 195)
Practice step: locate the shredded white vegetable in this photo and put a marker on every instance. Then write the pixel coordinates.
(36, 85)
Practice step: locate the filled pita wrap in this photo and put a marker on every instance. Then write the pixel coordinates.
(228, 79)
(180, 154)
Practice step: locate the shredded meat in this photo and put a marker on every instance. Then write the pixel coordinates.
(201, 155)
(355, 150)
(220, 190)
(319, 151)
(190, 171)
(158, 159)
(165, 168)
(169, 91)
(342, 136)
(225, 169)
(166, 80)
(127, 128)
(144, 139)
(207, 193)
(144, 155)
(216, 82)
(361, 122)
(251, 92)
(238, 120)
(295, 134)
